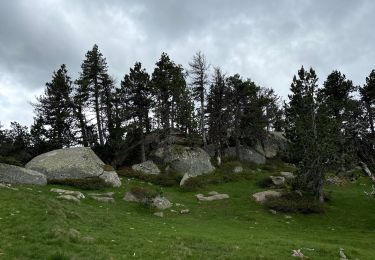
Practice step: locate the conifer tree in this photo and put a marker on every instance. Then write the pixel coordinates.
(137, 93)
(55, 107)
(218, 111)
(92, 79)
(199, 76)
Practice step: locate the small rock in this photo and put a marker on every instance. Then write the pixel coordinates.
(263, 195)
(272, 211)
(211, 193)
(161, 203)
(148, 167)
(287, 175)
(237, 169)
(185, 211)
(298, 253)
(103, 199)
(77, 194)
(287, 217)
(278, 180)
(342, 255)
(108, 194)
(201, 197)
(69, 198)
(130, 197)
(159, 214)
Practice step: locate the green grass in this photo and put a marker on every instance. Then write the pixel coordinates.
(35, 225)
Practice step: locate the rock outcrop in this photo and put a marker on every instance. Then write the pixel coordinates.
(17, 175)
(79, 163)
(271, 145)
(147, 167)
(246, 154)
(192, 161)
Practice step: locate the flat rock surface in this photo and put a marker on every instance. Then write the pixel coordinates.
(17, 175)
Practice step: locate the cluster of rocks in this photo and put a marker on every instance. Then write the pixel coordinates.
(70, 195)
(158, 202)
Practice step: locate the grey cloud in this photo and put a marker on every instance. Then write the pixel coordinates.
(266, 41)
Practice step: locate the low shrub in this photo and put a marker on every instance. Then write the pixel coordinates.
(93, 183)
(294, 203)
(10, 160)
(166, 179)
(192, 184)
(265, 182)
(108, 168)
(144, 194)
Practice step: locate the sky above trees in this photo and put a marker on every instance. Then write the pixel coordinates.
(267, 41)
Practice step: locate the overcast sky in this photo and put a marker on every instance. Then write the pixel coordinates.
(266, 41)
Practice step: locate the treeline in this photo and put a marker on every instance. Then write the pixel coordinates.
(198, 102)
(330, 128)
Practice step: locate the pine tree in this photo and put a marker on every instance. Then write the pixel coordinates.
(137, 93)
(55, 107)
(368, 97)
(243, 94)
(92, 79)
(304, 145)
(199, 75)
(218, 111)
(335, 107)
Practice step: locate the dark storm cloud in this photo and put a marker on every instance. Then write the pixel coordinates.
(266, 41)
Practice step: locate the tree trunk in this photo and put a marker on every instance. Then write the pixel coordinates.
(97, 112)
(370, 117)
(143, 152)
(202, 122)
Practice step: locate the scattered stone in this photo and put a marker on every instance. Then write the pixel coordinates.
(17, 175)
(108, 194)
(297, 253)
(185, 211)
(130, 197)
(335, 180)
(287, 217)
(7, 186)
(272, 211)
(173, 211)
(211, 193)
(103, 199)
(237, 169)
(185, 178)
(147, 167)
(161, 203)
(79, 195)
(278, 180)
(159, 214)
(69, 198)
(263, 195)
(179, 205)
(342, 254)
(287, 175)
(201, 197)
(74, 164)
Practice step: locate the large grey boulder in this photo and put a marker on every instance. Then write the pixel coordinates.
(17, 175)
(147, 167)
(192, 161)
(73, 164)
(272, 144)
(246, 154)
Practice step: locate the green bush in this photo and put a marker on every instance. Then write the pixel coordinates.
(92, 183)
(294, 203)
(165, 179)
(192, 184)
(10, 160)
(265, 182)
